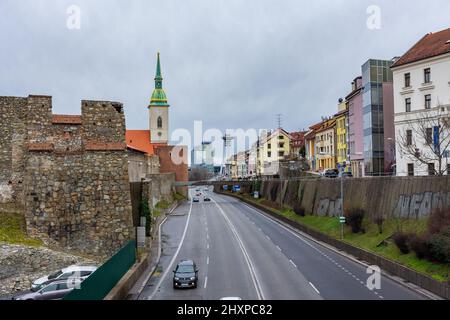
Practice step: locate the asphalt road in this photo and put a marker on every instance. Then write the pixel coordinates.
(242, 253)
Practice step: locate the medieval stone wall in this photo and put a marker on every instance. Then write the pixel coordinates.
(71, 170)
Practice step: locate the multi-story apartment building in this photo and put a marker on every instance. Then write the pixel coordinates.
(341, 118)
(297, 144)
(325, 145)
(355, 128)
(378, 117)
(252, 161)
(310, 146)
(273, 147)
(422, 106)
(242, 164)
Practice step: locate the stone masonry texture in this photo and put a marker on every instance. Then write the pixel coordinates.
(69, 174)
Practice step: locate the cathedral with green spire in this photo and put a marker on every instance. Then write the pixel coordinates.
(159, 96)
(159, 110)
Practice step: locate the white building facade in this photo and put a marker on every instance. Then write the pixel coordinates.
(422, 107)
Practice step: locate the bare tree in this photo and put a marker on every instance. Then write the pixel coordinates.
(428, 139)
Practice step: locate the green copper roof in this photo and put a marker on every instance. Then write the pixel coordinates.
(159, 96)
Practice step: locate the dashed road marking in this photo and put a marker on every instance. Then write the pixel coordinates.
(207, 260)
(314, 288)
(206, 281)
(292, 262)
(278, 248)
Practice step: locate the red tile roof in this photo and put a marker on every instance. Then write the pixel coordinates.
(66, 119)
(431, 45)
(140, 140)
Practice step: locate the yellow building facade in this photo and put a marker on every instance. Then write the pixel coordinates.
(325, 144)
(273, 147)
(341, 133)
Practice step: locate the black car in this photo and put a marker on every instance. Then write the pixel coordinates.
(346, 174)
(331, 173)
(185, 275)
(206, 199)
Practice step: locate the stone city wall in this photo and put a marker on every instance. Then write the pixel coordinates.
(69, 173)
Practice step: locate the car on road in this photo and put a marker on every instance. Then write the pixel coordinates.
(331, 173)
(206, 198)
(185, 275)
(195, 199)
(74, 271)
(52, 291)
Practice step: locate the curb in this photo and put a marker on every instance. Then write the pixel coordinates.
(152, 271)
(397, 279)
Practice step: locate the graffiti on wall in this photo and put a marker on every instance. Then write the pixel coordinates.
(420, 205)
(329, 208)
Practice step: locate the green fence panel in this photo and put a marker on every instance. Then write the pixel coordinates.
(99, 284)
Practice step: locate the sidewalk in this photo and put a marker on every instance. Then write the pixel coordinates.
(153, 256)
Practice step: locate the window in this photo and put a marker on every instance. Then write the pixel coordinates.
(159, 124)
(410, 169)
(408, 104)
(281, 153)
(281, 137)
(429, 136)
(428, 101)
(269, 154)
(448, 168)
(281, 145)
(431, 171)
(427, 75)
(408, 137)
(269, 146)
(407, 80)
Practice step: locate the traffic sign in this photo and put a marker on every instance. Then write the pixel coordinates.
(342, 219)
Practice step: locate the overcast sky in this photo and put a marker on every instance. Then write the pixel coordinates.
(232, 64)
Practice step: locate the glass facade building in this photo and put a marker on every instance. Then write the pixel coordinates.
(374, 74)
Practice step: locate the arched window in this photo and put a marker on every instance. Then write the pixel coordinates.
(159, 123)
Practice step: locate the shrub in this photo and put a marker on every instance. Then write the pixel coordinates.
(354, 219)
(439, 220)
(419, 245)
(299, 210)
(145, 212)
(402, 242)
(439, 246)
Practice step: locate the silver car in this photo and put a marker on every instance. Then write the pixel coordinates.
(53, 291)
(72, 272)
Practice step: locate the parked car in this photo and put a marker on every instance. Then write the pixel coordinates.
(195, 199)
(74, 271)
(331, 173)
(185, 275)
(52, 291)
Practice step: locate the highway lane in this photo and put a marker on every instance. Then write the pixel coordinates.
(333, 275)
(241, 252)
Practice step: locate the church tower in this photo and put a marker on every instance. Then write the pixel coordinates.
(159, 111)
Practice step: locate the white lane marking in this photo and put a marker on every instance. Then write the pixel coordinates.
(207, 246)
(292, 262)
(299, 237)
(207, 260)
(278, 248)
(206, 281)
(251, 268)
(174, 256)
(314, 288)
(268, 238)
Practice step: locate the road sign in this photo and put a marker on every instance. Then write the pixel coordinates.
(342, 219)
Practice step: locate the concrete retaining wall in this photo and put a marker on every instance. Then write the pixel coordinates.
(400, 197)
